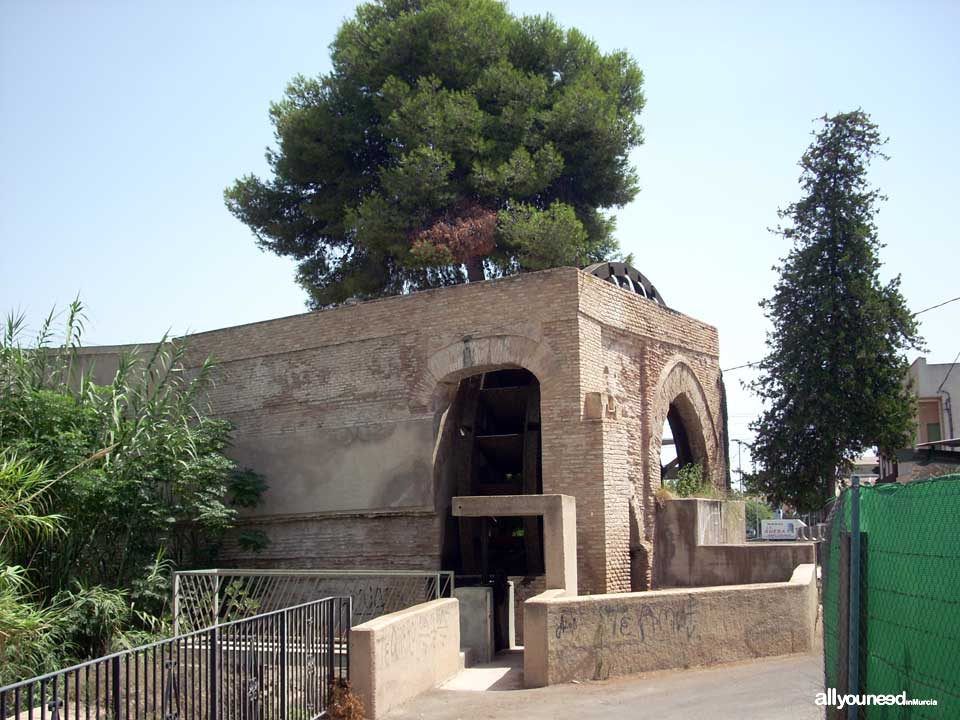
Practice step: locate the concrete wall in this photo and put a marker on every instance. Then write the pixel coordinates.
(601, 636)
(398, 656)
(476, 622)
(340, 410)
(696, 547)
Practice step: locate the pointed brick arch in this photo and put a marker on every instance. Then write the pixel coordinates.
(678, 385)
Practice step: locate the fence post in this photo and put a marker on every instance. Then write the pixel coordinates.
(332, 639)
(214, 682)
(283, 665)
(176, 604)
(853, 622)
(115, 671)
(216, 599)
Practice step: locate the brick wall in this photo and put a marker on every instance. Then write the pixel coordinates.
(339, 410)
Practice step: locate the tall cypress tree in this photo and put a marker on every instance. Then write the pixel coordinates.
(833, 379)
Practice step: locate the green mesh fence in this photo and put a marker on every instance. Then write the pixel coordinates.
(909, 596)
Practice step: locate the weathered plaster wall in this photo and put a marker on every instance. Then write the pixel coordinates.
(340, 410)
(602, 636)
(398, 656)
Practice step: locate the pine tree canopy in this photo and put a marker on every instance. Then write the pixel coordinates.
(450, 140)
(833, 378)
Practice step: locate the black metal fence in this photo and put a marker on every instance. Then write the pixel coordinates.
(278, 665)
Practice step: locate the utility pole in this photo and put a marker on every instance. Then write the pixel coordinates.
(740, 444)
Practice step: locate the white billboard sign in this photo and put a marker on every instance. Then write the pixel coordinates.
(780, 529)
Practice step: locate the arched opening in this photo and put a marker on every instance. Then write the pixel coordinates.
(490, 445)
(680, 434)
(682, 439)
(676, 450)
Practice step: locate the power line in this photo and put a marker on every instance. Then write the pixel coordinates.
(934, 307)
(918, 312)
(740, 367)
(949, 370)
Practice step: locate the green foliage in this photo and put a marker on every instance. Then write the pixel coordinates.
(832, 381)
(150, 593)
(92, 617)
(24, 499)
(29, 638)
(690, 482)
(756, 509)
(449, 136)
(163, 480)
(540, 239)
(30, 641)
(137, 475)
(236, 602)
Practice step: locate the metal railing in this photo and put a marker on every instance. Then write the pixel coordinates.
(280, 664)
(206, 597)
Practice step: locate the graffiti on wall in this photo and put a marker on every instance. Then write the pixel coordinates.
(649, 623)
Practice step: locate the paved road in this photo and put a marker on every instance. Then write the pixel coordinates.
(782, 688)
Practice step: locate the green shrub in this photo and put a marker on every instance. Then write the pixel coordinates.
(91, 617)
(690, 482)
(756, 510)
(103, 488)
(30, 643)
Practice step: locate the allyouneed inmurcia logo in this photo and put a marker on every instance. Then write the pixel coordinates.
(834, 699)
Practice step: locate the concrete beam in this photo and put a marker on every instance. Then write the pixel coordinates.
(559, 514)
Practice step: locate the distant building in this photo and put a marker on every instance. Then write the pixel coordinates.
(866, 469)
(935, 387)
(937, 449)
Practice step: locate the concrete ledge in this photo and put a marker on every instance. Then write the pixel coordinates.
(699, 543)
(594, 637)
(396, 657)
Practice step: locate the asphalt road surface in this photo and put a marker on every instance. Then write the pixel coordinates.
(782, 688)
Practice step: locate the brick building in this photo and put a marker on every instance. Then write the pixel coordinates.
(367, 418)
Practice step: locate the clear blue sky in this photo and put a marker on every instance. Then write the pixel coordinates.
(121, 123)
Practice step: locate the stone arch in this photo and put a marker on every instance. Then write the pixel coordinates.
(437, 393)
(472, 355)
(679, 391)
(678, 388)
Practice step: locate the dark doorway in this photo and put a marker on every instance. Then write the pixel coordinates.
(497, 452)
(676, 447)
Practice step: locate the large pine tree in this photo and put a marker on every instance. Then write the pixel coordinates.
(451, 140)
(833, 379)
